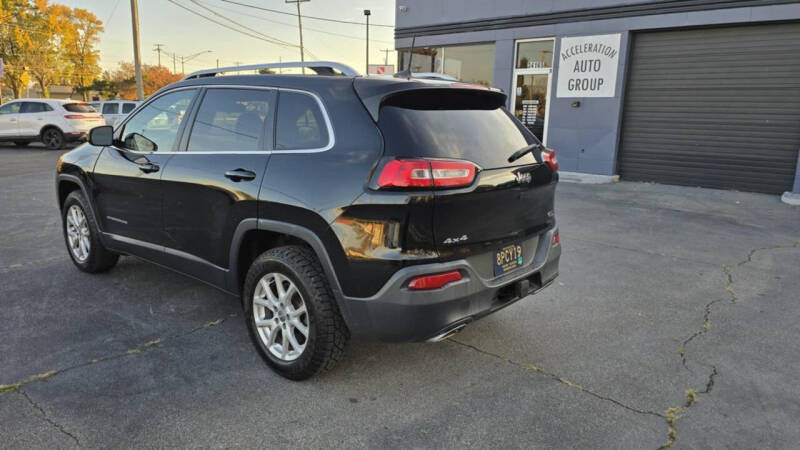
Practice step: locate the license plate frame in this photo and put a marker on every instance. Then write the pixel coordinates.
(507, 259)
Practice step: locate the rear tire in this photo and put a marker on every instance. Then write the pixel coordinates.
(21, 144)
(82, 236)
(305, 288)
(53, 138)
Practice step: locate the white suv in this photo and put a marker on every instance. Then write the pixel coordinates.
(52, 122)
(115, 110)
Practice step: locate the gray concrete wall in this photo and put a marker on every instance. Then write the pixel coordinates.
(587, 137)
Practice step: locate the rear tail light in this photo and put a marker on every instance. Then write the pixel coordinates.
(556, 238)
(433, 281)
(404, 173)
(549, 156)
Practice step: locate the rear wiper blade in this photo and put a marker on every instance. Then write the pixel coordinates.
(524, 151)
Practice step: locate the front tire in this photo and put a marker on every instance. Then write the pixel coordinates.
(293, 319)
(53, 139)
(82, 236)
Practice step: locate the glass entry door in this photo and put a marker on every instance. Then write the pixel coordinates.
(530, 104)
(531, 91)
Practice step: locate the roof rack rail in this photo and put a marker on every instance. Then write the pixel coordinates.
(320, 67)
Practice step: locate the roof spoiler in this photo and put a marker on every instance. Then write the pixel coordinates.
(320, 67)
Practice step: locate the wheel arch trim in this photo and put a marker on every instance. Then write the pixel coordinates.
(297, 231)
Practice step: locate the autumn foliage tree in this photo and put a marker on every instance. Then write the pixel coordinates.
(48, 43)
(121, 82)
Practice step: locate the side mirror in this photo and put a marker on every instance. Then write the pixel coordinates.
(102, 136)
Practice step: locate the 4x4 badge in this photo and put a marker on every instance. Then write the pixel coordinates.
(456, 240)
(524, 177)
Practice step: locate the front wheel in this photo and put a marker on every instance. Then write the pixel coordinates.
(83, 237)
(53, 138)
(292, 316)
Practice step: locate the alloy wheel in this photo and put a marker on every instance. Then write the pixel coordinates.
(78, 234)
(281, 317)
(52, 138)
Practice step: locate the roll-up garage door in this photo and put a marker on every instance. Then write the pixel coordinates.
(715, 107)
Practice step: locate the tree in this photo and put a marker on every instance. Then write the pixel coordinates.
(16, 39)
(122, 83)
(80, 53)
(45, 56)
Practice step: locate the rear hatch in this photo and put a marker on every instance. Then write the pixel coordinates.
(508, 203)
(82, 116)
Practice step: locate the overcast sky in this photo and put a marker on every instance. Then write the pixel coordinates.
(184, 33)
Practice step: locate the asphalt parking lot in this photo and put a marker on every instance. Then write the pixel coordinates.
(674, 321)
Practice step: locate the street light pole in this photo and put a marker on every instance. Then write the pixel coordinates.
(300, 27)
(191, 57)
(137, 62)
(367, 13)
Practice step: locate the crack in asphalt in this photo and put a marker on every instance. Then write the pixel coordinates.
(557, 378)
(692, 396)
(47, 419)
(5, 388)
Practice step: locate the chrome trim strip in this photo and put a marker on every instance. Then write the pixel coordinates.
(328, 124)
(167, 250)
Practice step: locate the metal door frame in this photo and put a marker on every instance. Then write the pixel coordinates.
(535, 71)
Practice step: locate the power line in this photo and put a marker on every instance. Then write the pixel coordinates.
(305, 28)
(350, 22)
(226, 25)
(242, 26)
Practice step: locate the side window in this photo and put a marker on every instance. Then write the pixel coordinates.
(10, 108)
(232, 120)
(111, 108)
(34, 107)
(128, 107)
(155, 127)
(300, 124)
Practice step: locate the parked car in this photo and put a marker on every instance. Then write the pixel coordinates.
(52, 122)
(396, 209)
(114, 111)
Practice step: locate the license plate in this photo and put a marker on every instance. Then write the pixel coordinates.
(507, 259)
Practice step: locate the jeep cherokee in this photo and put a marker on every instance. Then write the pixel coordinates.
(393, 208)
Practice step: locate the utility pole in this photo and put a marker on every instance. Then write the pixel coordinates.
(174, 63)
(386, 56)
(183, 71)
(157, 49)
(300, 27)
(217, 63)
(137, 62)
(367, 13)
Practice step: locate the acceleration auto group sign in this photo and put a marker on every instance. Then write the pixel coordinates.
(588, 66)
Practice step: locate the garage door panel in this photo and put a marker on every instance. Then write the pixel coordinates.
(715, 107)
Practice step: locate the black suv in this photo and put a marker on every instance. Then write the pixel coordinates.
(397, 209)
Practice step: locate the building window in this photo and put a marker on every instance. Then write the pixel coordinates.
(467, 63)
(535, 54)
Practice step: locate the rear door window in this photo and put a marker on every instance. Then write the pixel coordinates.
(453, 124)
(128, 107)
(233, 120)
(79, 107)
(300, 123)
(10, 108)
(111, 108)
(34, 107)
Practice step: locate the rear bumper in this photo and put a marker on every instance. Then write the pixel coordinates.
(396, 314)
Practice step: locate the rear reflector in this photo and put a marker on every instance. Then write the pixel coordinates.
(556, 238)
(433, 281)
(403, 173)
(549, 156)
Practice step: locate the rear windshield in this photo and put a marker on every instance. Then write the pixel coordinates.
(79, 107)
(454, 125)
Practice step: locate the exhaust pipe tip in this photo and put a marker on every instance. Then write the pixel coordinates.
(447, 334)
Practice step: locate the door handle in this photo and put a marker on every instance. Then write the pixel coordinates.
(240, 174)
(148, 167)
